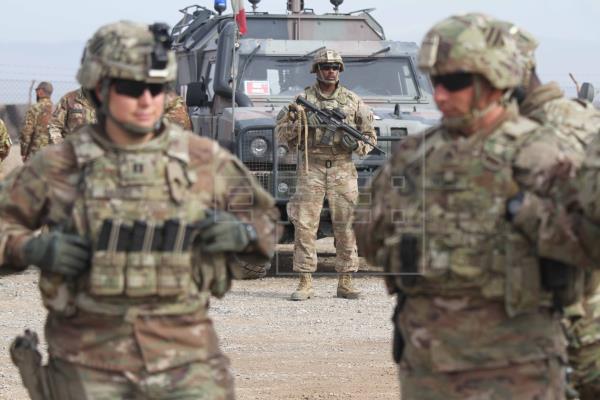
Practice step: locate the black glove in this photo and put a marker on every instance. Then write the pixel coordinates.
(222, 232)
(349, 142)
(59, 253)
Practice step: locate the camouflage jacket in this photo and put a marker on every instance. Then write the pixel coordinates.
(72, 111)
(5, 141)
(576, 121)
(358, 115)
(437, 215)
(34, 133)
(176, 111)
(84, 182)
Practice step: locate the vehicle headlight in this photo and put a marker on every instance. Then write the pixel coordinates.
(258, 147)
(282, 151)
(283, 187)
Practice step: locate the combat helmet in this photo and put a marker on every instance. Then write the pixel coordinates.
(526, 44)
(472, 43)
(327, 56)
(128, 50)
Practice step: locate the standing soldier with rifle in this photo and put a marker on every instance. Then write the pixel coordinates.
(146, 221)
(34, 133)
(325, 169)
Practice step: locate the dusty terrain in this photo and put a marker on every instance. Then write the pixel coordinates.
(324, 348)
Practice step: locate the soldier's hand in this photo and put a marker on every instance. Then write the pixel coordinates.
(349, 142)
(312, 120)
(57, 252)
(223, 232)
(292, 112)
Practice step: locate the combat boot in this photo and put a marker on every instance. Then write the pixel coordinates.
(345, 287)
(305, 290)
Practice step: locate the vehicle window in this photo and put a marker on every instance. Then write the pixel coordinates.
(285, 76)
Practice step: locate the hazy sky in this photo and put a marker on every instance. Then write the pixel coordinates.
(40, 39)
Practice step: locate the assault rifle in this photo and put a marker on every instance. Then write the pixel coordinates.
(333, 120)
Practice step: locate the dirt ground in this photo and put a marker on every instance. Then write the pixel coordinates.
(324, 348)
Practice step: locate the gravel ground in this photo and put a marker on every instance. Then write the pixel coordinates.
(324, 348)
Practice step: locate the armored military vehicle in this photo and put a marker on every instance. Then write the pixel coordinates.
(270, 65)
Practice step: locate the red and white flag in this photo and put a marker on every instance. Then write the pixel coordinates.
(240, 15)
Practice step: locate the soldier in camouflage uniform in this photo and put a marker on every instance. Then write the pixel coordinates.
(325, 170)
(5, 141)
(34, 133)
(146, 221)
(73, 110)
(176, 111)
(578, 123)
(453, 218)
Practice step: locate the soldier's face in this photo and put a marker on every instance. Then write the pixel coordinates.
(136, 103)
(453, 94)
(329, 72)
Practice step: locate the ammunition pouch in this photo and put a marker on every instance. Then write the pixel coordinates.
(398, 339)
(565, 282)
(28, 360)
(142, 259)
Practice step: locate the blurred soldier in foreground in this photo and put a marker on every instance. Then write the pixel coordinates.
(325, 170)
(5, 141)
(146, 221)
(74, 110)
(34, 133)
(578, 123)
(454, 217)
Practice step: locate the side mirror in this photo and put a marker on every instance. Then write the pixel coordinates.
(586, 92)
(196, 95)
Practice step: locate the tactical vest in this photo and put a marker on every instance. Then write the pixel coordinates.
(452, 237)
(348, 104)
(136, 206)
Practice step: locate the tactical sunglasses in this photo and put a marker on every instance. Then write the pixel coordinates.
(327, 67)
(453, 82)
(127, 87)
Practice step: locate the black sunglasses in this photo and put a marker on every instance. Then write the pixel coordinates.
(327, 67)
(127, 87)
(453, 82)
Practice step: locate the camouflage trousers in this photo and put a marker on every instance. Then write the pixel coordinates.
(337, 181)
(194, 381)
(584, 349)
(467, 348)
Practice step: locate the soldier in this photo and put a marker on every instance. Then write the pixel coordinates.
(73, 110)
(145, 221)
(34, 133)
(453, 219)
(325, 170)
(577, 122)
(176, 111)
(5, 141)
